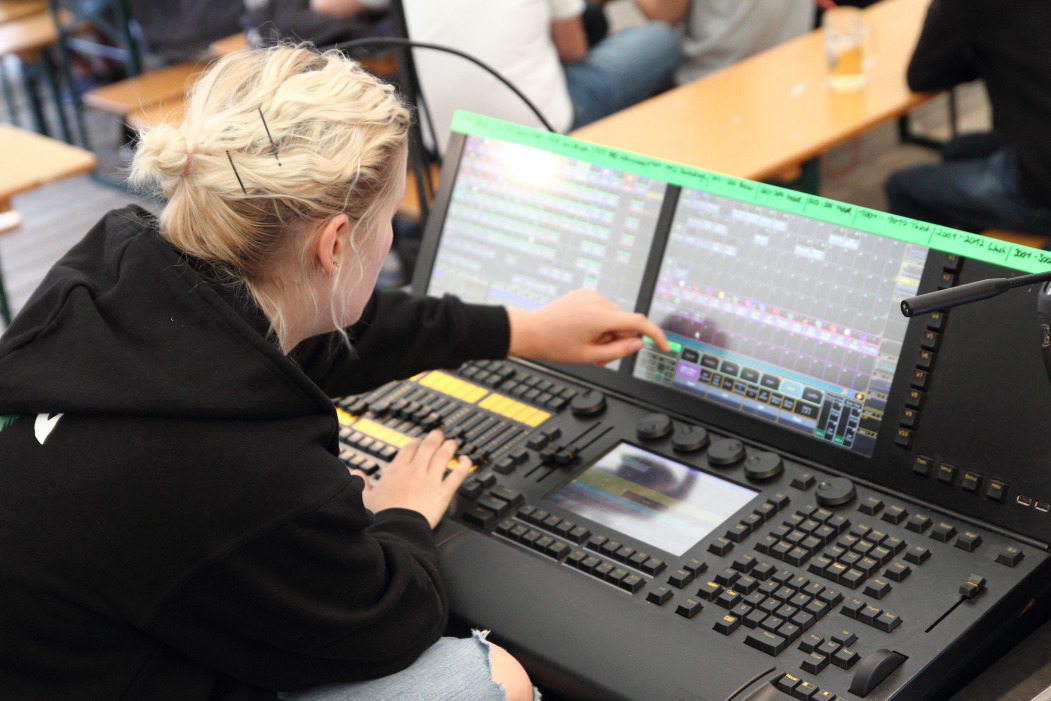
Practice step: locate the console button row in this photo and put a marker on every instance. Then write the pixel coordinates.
(921, 375)
(607, 571)
(518, 383)
(578, 559)
(625, 553)
(529, 388)
(995, 490)
(563, 528)
(860, 610)
(533, 539)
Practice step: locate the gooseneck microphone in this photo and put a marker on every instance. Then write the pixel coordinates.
(971, 292)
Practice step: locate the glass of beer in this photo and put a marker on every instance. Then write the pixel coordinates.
(848, 47)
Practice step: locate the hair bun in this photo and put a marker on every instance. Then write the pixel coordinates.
(161, 157)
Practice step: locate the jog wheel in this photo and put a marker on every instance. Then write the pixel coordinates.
(689, 439)
(653, 426)
(763, 466)
(835, 491)
(588, 403)
(725, 452)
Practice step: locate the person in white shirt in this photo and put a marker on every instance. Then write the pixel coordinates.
(719, 33)
(541, 47)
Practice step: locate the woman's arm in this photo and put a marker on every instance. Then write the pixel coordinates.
(400, 335)
(580, 327)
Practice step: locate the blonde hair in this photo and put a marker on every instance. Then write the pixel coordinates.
(274, 143)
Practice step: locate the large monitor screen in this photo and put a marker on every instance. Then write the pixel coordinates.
(524, 226)
(782, 317)
(655, 500)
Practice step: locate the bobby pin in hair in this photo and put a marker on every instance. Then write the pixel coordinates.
(273, 146)
(236, 173)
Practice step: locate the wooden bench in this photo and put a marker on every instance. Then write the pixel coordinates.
(380, 66)
(9, 221)
(151, 88)
(171, 111)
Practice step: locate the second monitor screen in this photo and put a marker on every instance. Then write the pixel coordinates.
(525, 226)
(783, 317)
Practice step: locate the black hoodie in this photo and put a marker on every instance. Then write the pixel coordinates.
(175, 523)
(1005, 44)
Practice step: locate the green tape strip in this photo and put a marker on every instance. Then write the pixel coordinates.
(969, 245)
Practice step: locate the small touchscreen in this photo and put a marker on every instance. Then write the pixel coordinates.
(658, 501)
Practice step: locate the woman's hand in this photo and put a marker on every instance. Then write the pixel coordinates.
(580, 327)
(416, 478)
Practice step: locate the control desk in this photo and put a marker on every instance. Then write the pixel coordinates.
(809, 497)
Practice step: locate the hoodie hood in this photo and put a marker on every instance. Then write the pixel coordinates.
(114, 318)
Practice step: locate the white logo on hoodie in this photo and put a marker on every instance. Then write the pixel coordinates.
(44, 425)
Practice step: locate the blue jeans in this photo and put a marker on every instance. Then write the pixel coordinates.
(453, 669)
(974, 188)
(621, 70)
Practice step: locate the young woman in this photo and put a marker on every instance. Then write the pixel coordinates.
(176, 524)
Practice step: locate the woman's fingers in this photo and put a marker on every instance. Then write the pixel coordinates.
(441, 457)
(407, 453)
(457, 475)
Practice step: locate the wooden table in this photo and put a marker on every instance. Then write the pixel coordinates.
(27, 35)
(11, 10)
(28, 160)
(769, 113)
(228, 45)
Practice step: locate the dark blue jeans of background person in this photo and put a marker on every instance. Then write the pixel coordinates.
(974, 187)
(624, 68)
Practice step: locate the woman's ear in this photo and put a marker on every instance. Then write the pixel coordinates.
(329, 246)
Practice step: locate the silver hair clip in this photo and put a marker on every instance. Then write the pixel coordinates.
(236, 173)
(273, 146)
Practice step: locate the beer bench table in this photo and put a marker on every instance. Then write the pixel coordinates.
(29, 161)
(11, 10)
(766, 115)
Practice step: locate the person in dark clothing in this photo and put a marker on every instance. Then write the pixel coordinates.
(182, 30)
(999, 180)
(269, 22)
(177, 524)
